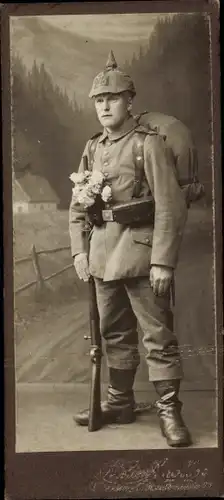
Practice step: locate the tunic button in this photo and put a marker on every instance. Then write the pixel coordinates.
(147, 240)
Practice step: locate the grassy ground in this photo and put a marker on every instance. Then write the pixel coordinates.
(45, 230)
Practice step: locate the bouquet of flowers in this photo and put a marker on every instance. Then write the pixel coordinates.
(89, 186)
(92, 192)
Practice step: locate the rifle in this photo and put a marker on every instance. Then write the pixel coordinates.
(95, 413)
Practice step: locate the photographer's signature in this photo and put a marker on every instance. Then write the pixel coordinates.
(128, 476)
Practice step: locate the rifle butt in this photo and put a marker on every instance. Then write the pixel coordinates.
(95, 412)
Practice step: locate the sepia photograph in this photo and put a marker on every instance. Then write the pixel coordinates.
(113, 90)
(115, 336)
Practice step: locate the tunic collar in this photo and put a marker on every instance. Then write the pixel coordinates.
(127, 126)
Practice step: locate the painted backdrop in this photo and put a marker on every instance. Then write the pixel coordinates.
(53, 62)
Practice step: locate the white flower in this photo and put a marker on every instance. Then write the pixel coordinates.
(96, 178)
(87, 174)
(80, 177)
(106, 194)
(77, 177)
(95, 188)
(95, 182)
(87, 186)
(85, 198)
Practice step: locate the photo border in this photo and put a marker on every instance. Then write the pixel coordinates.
(92, 474)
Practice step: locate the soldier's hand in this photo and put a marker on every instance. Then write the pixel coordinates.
(81, 266)
(160, 279)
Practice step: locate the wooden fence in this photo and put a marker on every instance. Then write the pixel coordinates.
(35, 260)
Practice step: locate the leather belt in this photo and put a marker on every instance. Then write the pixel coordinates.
(137, 210)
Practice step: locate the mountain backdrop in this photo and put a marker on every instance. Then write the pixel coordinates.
(73, 58)
(54, 61)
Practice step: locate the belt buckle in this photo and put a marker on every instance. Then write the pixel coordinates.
(107, 215)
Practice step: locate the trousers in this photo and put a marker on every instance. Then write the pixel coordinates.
(122, 305)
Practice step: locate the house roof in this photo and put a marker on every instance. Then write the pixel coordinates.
(33, 188)
(18, 195)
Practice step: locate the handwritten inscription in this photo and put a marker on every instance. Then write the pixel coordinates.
(129, 476)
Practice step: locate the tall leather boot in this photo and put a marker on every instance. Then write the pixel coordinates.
(119, 407)
(169, 407)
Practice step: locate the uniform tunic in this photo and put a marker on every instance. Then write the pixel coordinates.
(120, 256)
(118, 251)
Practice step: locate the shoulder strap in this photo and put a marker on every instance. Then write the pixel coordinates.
(141, 132)
(138, 152)
(92, 149)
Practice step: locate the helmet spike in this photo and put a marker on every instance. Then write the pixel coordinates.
(111, 80)
(111, 61)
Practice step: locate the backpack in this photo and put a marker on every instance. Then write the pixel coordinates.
(179, 141)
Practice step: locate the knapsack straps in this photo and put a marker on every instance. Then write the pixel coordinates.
(138, 152)
(92, 149)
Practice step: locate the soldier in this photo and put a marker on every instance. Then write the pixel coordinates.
(133, 266)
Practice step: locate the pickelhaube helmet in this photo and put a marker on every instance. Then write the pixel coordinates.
(111, 80)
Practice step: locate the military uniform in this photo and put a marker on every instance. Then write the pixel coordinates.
(120, 258)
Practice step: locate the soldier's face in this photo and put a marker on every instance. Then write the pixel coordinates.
(112, 109)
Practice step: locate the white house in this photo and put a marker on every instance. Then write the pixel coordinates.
(32, 193)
